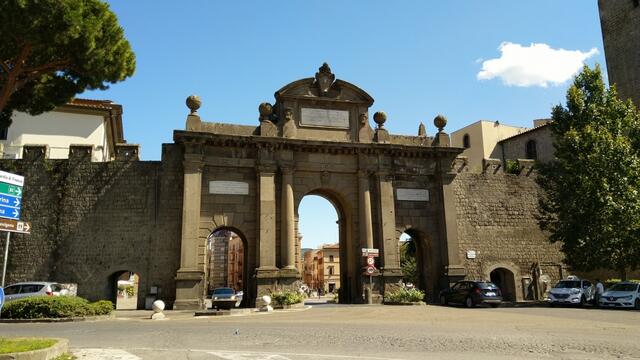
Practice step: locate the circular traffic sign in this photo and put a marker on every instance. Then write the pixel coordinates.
(371, 260)
(370, 270)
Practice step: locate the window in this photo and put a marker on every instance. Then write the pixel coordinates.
(330, 258)
(466, 141)
(330, 270)
(10, 290)
(3, 133)
(531, 151)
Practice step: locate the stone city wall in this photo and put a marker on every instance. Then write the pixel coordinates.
(91, 221)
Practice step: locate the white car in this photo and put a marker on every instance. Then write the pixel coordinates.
(28, 289)
(623, 294)
(571, 291)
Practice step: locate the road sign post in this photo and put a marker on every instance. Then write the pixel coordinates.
(10, 205)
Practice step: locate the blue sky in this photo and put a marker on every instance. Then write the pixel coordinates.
(417, 59)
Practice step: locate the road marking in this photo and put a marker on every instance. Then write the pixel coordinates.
(103, 354)
(248, 355)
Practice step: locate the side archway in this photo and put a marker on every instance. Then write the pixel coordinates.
(416, 250)
(227, 263)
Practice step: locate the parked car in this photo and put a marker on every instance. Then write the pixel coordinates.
(472, 293)
(27, 289)
(223, 298)
(622, 294)
(571, 291)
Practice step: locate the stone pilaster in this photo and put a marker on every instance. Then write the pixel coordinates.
(267, 218)
(388, 222)
(287, 227)
(364, 201)
(453, 268)
(190, 278)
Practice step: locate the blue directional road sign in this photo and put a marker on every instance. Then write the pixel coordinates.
(1, 298)
(9, 212)
(8, 200)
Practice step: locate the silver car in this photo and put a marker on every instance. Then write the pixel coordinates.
(623, 294)
(27, 289)
(571, 291)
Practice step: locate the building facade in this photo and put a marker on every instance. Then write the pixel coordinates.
(80, 122)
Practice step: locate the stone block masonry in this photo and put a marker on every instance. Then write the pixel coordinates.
(92, 221)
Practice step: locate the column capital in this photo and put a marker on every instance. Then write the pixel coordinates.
(192, 165)
(266, 169)
(384, 175)
(364, 173)
(287, 169)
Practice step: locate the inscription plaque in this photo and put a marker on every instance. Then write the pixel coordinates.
(229, 187)
(324, 118)
(413, 194)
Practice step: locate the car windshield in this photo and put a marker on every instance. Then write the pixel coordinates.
(567, 284)
(223, 291)
(623, 287)
(487, 285)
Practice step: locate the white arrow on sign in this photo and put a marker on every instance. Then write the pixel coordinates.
(15, 213)
(27, 227)
(16, 202)
(19, 192)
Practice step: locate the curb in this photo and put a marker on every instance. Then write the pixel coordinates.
(62, 320)
(398, 303)
(59, 348)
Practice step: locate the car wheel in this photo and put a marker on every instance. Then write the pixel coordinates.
(637, 304)
(468, 302)
(443, 300)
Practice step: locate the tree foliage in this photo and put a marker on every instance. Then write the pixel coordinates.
(51, 50)
(591, 201)
(408, 262)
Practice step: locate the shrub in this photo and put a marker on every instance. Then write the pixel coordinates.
(512, 167)
(404, 296)
(49, 307)
(287, 298)
(102, 307)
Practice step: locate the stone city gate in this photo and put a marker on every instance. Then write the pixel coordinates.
(316, 139)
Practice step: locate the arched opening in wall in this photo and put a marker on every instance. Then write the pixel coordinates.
(416, 269)
(531, 150)
(506, 282)
(466, 141)
(125, 286)
(320, 255)
(226, 259)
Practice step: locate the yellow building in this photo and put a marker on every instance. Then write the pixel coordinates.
(331, 268)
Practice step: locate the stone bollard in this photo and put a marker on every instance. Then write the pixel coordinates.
(158, 307)
(267, 304)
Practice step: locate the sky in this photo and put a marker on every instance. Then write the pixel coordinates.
(469, 60)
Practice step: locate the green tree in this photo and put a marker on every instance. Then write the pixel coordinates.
(590, 201)
(408, 262)
(51, 50)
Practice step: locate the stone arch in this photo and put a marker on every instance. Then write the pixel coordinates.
(507, 274)
(248, 286)
(426, 260)
(349, 275)
(124, 298)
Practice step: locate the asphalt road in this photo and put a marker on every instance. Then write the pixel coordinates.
(332, 332)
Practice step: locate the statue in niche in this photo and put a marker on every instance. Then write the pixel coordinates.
(365, 134)
(288, 127)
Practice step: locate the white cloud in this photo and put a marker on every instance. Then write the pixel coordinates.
(535, 65)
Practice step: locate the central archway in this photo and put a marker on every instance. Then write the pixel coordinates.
(334, 273)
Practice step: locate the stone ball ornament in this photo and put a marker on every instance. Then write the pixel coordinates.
(265, 110)
(380, 118)
(440, 122)
(158, 306)
(194, 103)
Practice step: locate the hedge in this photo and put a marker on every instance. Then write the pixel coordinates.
(287, 298)
(54, 307)
(404, 296)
